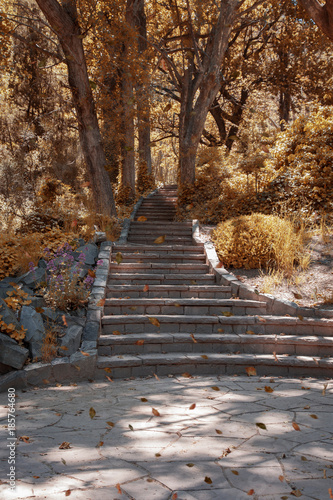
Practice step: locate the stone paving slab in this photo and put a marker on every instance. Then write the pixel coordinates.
(167, 438)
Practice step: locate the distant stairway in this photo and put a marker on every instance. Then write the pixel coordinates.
(165, 314)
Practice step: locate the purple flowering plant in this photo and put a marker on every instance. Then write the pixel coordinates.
(65, 287)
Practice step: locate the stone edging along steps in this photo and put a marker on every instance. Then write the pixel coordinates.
(174, 311)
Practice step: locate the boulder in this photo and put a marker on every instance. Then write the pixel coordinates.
(32, 321)
(90, 251)
(33, 278)
(70, 342)
(11, 353)
(8, 315)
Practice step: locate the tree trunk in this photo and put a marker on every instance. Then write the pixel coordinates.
(284, 108)
(198, 94)
(321, 14)
(143, 104)
(128, 161)
(64, 22)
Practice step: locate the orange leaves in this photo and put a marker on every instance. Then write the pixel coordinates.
(142, 218)
(268, 389)
(251, 371)
(65, 446)
(139, 342)
(145, 288)
(192, 406)
(101, 303)
(119, 489)
(155, 412)
(215, 388)
(330, 492)
(159, 240)
(154, 321)
(296, 426)
(193, 338)
(119, 258)
(92, 412)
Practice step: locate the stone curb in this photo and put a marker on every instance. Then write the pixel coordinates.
(127, 222)
(274, 306)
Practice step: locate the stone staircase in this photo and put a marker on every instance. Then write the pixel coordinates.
(165, 313)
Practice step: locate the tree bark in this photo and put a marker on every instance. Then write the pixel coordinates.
(198, 94)
(143, 104)
(63, 21)
(321, 14)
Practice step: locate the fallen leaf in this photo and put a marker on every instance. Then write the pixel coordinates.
(208, 480)
(144, 400)
(227, 313)
(250, 492)
(307, 407)
(296, 426)
(296, 493)
(91, 273)
(158, 455)
(268, 389)
(204, 356)
(261, 319)
(250, 332)
(119, 258)
(155, 412)
(139, 342)
(220, 330)
(63, 461)
(300, 317)
(85, 353)
(39, 310)
(116, 332)
(235, 472)
(192, 406)
(174, 496)
(119, 489)
(142, 218)
(187, 375)
(324, 390)
(159, 240)
(215, 388)
(25, 439)
(193, 338)
(313, 416)
(261, 426)
(92, 412)
(107, 370)
(65, 446)
(157, 378)
(131, 427)
(250, 370)
(304, 459)
(45, 381)
(101, 303)
(154, 321)
(36, 477)
(275, 357)
(146, 288)
(63, 348)
(190, 465)
(330, 492)
(281, 478)
(218, 431)
(100, 444)
(111, 424)
(67, 493)
(108, 378)
(63, 317)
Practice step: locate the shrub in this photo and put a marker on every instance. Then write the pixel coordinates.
(258, 240)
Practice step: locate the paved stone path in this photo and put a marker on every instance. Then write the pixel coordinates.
(231, 437)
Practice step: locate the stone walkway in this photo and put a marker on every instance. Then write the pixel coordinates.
(168, 438)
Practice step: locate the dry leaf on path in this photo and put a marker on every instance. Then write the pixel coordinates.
(154, 321)
(65, 446)
(155, 412)
(146, 288)
(160, 240)
(296, 426)
(92, 412)
(250, 370)
(192, 406)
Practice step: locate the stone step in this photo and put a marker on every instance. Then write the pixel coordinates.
(169, 239)
(168, 230)
(172, 291)
(192, 307)
(161, 279)
(147, 224)
(158, 268)
(252, 324)
(147, 343)
(125, 366)
(165, 249)
(156, 257)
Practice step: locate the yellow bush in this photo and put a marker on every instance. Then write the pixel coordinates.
(258, 240)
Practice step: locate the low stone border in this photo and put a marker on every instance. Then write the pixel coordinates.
(276, 307)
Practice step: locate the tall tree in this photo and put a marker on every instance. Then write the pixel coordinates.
(63, 20)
